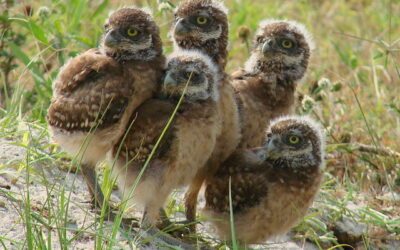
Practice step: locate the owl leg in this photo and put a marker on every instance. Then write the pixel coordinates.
(158, 236)
(164, 220)
(191, 201)
(94, 188)
(177, 229)
(98, 197)
(96, 193)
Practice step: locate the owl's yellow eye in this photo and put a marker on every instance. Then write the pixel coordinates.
(201, 20)
(132, 32)
(294, 139)
(287, 44)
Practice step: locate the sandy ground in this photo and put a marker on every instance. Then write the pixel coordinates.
(45, 184)
(43, 199)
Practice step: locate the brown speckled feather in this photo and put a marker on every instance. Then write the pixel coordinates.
(91, 89)
(148, 121)
(248, 185)
(251, 180)
(94, 90)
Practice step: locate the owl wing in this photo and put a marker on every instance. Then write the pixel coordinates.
(146, 125)
(90, 91)
(243, 84)
(248, 183)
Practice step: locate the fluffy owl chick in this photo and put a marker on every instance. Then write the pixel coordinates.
(188, 142)
(266, 87)
(271, 190)
(96, 92)
(203, 25)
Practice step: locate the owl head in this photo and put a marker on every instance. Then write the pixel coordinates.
(194, 71)
(296, 140)
(202, 25)
(282, 48)
(131, 34)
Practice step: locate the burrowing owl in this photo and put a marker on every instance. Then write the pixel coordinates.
(96, 92)
(271, 190)
(266, 87)
(189, 141)
(203, 25)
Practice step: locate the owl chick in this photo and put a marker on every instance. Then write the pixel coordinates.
(203, 25)
(271, 190)
(96, 92)
(188, 142)
(266, 87)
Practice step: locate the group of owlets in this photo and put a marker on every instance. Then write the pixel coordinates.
(231, 133)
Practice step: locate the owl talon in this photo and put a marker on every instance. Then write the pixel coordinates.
(161, 239)
(178, 229)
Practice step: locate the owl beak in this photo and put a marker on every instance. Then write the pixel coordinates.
(110, 41)
(274, 150)
(181, 27)
(267, 48)
(169, 81)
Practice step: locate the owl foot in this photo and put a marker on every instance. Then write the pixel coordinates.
(160, 239)
(179, 229)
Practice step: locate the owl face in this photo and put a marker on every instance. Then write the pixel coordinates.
(198, 21)
(193, 69)
(281, 47)
(296, 139)
(131, 34)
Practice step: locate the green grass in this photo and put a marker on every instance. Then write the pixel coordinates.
(352, 88)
